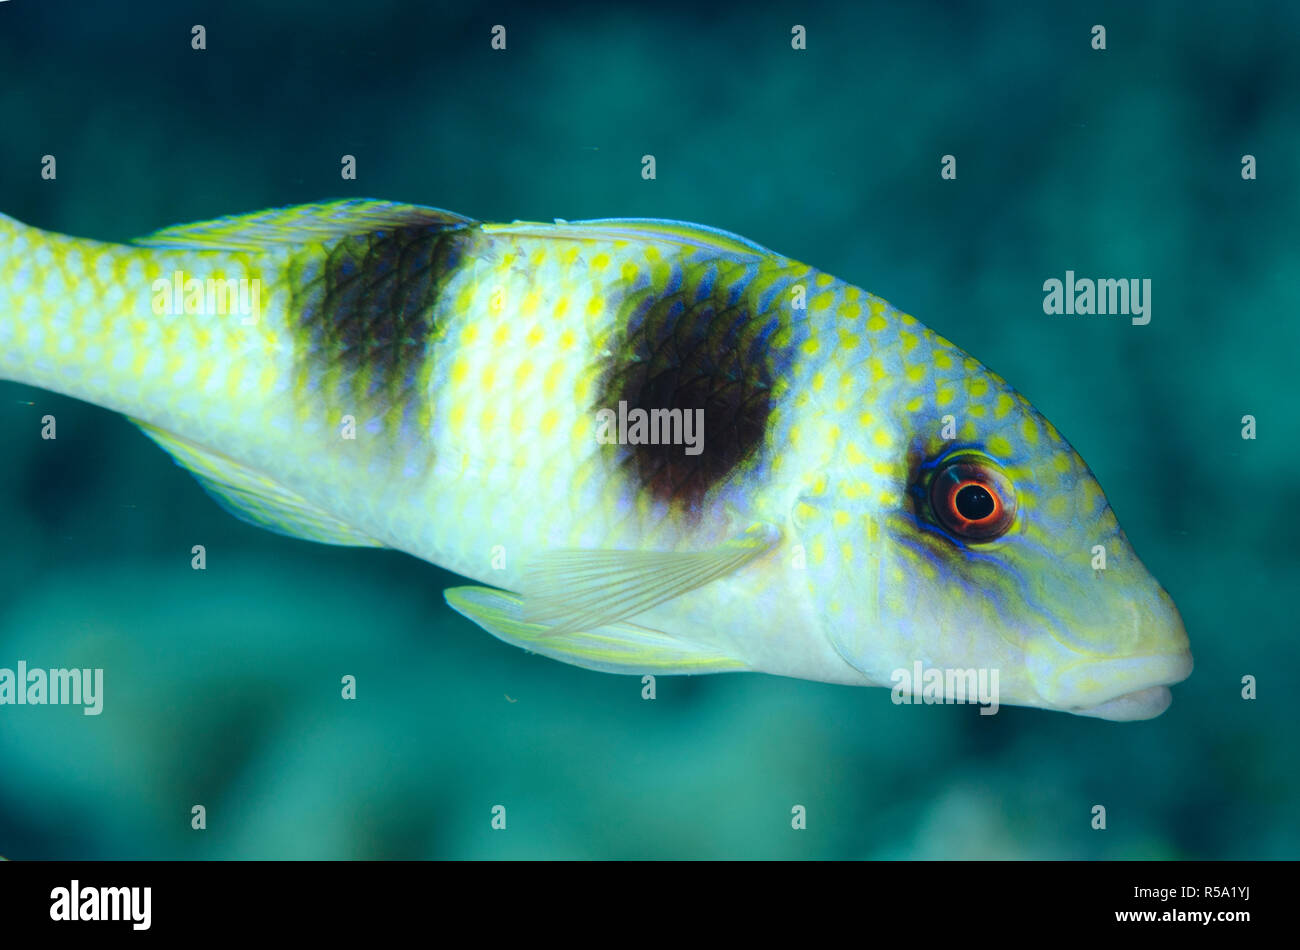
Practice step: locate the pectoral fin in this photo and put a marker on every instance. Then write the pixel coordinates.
(613, 648)
(568, 591)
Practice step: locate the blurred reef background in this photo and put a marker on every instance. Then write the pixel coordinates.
(222, 686)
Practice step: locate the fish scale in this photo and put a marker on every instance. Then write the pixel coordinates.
(418, 380)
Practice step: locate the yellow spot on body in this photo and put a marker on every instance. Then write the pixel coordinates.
(1092, 497)
(600, 261)
(977, 386)
(943, 360)
(915, 403)
(915, 373)
(532, 300)
(1029, 429)
(882, 439)
(1003, 406)
(854, 454)
(1061, 462)
(501, 336)
(999, 447)
(876, 323)
(549, 420)
(552, 380)
(459, 370)
(823, 301)
(840, 518)
(810, 347)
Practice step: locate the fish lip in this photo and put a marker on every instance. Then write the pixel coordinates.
(1141, 685)
(1129, 707)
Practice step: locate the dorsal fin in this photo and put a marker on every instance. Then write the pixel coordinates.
(632, 229)
(300, 224)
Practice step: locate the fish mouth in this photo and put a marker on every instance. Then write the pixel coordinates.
(1140, 704)
(1122, 689)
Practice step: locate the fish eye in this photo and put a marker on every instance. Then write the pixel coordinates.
(972, 499)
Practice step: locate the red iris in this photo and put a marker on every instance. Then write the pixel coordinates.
(972, 499)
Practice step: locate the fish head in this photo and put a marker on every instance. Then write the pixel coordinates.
(971, 536)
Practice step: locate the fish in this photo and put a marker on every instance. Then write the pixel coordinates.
(653, 447)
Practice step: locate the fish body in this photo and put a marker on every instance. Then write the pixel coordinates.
(662, 447)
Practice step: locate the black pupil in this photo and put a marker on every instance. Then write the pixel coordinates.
(974, 503)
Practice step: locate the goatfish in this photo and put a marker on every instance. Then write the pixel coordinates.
(656, 446)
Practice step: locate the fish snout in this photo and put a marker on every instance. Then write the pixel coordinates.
(1131, 685)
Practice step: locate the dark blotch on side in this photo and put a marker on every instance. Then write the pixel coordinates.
(705, 344)
(368, 310)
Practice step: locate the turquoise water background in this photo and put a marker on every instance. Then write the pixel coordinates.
(222, 686)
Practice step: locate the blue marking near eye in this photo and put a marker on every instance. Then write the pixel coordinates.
(924, 525)
(964, 448)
